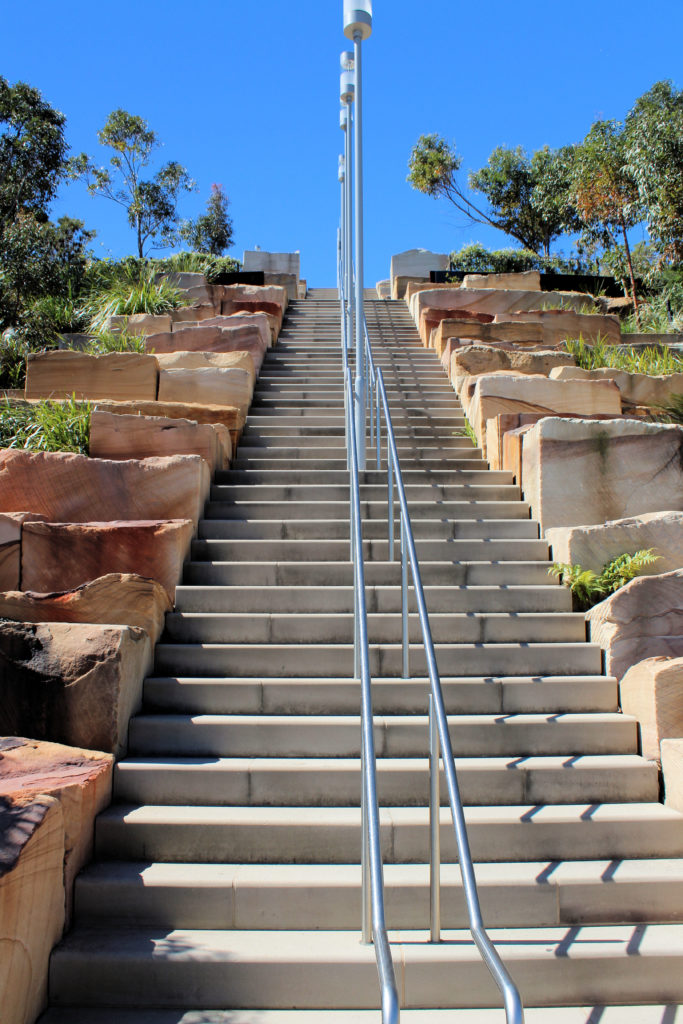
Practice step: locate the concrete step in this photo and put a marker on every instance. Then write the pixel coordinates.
(298, 475)
(396, 736)
(404, 781)
(260, 507)
(215, 600)
(313, 897)
(376, 529)
(301, 627)
(292, 660)
(491, 695)
(330, 835)
(335, 459)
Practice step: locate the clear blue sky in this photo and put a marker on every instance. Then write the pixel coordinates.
(245, 93)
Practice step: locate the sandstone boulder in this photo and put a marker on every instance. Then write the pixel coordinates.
(119, 376)
(207, 360)
(117, 599)
(594, 546)
(69, 488)
(210, 386)
(246, 338)
(637, 389)
(505, 335)
(477, 359)
(652, 692)
(500, 393)
(431, 317)
(140, 324)
(72, 683)
(267, 323)
(560, 324)
(495, 301)
(527, 280)
(32, 901)
(61, 556)
(254, 293)
(642, 620)
(423, 285)
(216, 415)
(192, 314)
(582, 472)
(10, 547)
(128, 436)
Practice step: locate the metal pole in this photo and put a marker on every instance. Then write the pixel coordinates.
(434, 828)
(390, 503)
(348, 230)
(358, 188)
(404, 601)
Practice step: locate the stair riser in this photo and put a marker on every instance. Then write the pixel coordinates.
(315, 550)
(331, 529)
(252, 508)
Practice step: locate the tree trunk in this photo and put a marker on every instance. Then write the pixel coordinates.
(631, 274)
(140, 253)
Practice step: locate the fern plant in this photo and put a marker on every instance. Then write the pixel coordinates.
(588, 587)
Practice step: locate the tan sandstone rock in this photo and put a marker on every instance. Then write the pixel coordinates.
(580, 472)
(494, 300)
(431, 317)
(117, 376)
(526, 280)
(206, 360)
(226, 416)
(115, 436)
(651, 691)
(560, 324)
(501, 335)
(32, 901)
(61, 556)
(141, 324)
(477, 359)
(69, 488)
(642, 620)
(209, 386)
(246, 338)
(594, 546)
(196, 312)
(672, 772)
(117, 599)
(500, 393)
(266, 324)
(10, 547)
(72, 683)
(637, 389)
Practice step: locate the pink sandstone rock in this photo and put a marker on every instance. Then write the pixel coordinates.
(10, 547)
(246, 338)
(127, 436)
(225, 416)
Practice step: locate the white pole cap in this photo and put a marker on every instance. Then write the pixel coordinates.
(347, 86)
(357, 18)
(346, 60)
(342, 167)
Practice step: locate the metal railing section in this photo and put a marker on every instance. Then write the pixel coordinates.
(373, 916)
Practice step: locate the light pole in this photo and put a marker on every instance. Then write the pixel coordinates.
(347, 90)
(341, 249)
(358, 26)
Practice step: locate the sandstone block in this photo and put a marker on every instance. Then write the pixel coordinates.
(652, 692)
(642, 620)
(560, 324)
(594, 546)
(383, 289)
(290, 283)
(196, 312)
(672, 772)
(72, 683)
(272, 262)
(273, 294)
(61, 556)
(117, 599)
(245, 338)
(501, 335)
(512, 449)
(582, 472)
(118, 375)
(128, 436)
(500, 393)
(216, 415)
(431, 317)
(266, 323)
(139, 323)
(637, 389)
(32, 901)
(477, 359)
(70, 488)
(496, 301)
(527, 280)
(207, 360)
(210, 386)
(423, 285)
(10, 547)
(414, 263)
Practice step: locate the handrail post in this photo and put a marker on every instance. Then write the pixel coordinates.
(434, 829)
(390, 503)
(358, 189)
(404, 604)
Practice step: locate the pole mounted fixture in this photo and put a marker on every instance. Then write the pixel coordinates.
(343, 119)
(346, 60)
(357, 18)
(347, 86)
(342, 168)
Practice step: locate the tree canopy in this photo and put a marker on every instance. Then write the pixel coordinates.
(212, 232)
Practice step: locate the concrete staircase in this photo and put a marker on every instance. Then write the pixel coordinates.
(227, 877)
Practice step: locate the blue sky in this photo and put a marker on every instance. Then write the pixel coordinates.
(245, 93)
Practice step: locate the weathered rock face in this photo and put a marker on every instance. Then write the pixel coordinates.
(80, 779)
(560, 324)
(505, 335)
(72, 683)
(70, 488)
(527, 280)
(500, 393)
(61, 556)
(247, 338)
(431, 317)
(594, 546)
(140, 323)
(495, 301)
(141, 437)
(118, 599)
(651, 692)
(267, 323)
(642, 620)
(637, 389)
(117, 376)
(477, 359)
(192, 314)
(32, 898)
(422, 285)
(211, 386)
(256, 293)
(217, 415)
(10, 547)
(207, 360)
(581, 472)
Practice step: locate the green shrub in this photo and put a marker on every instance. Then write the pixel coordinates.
(589, 588)
(671, 412)
(125, 298)
(107, 341)
(46, 426)
(654, 359)
(12, 361)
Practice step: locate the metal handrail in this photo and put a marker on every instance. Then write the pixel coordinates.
(439, 737)
(373, 916)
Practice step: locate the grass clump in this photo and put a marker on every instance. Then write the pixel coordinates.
(467, 431)
(46, 426)
(125, 298)
(589, 588)
(656, 360)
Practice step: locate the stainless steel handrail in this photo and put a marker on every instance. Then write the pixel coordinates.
(373, 916)
(439, 737)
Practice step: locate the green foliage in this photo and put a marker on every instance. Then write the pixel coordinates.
(46, 426)
(475, 258)
(467, 430)
(107, 341)
(126, 296)
(661, 313)
(653, 360)
(12, 361)
(150, 204)
(671, 412)
(588, 588)
(212, 232)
